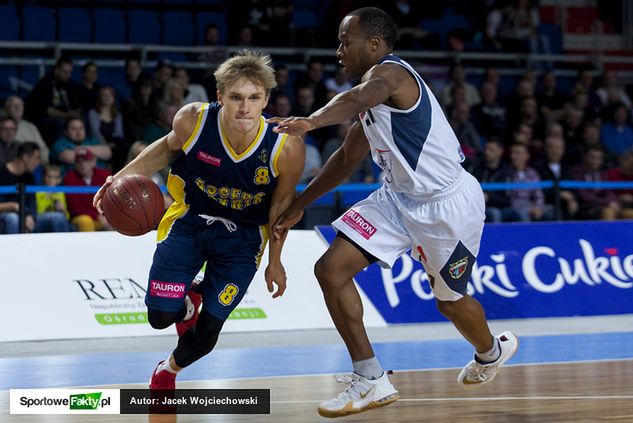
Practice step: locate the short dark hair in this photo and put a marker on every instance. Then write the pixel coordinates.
(376, 22)
(27, 147)
(72, 119)
(63, 61)
(6, 118)
(87, 65)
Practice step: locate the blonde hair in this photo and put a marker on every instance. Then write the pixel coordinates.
(254, 66)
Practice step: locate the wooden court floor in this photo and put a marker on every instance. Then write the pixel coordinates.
(599, 391)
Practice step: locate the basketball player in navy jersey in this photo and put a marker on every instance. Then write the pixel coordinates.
(427, 204)
(231, 175)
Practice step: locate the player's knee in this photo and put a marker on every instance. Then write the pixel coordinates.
(208, 325)
(324, 272)
(161, 319)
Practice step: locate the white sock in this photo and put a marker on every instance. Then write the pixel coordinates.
(490, 355)
(167, 366)
(369, 368)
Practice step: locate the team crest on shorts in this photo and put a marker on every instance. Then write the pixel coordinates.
(457, 269)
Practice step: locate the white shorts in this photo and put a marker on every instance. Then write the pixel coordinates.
(443, 233)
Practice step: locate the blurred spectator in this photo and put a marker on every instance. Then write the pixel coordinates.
(624, 172)
(525, 89)
(585, 82)
(338, 83)
(617, 134)
(489, 116)
(215, 53)
(8, 144)
(88, 90)
(174, 93)
(52, 210)
(86, 173)
(528, 203)
(550, 99)
(515, 28)
(106, 124)
(245, 36)
(407, 15)
(611, 92)
(27, 131)
(64, 150)
(278, 22)
(192, 92)
(572, 127)
(133, 76)
(16, 171)
(595, 203)
(553, 168)
(160, 126)
(492, 168)
(313, 79)
(457, 77)
(163, 73)
(282, 106)
(137, 112)
(52, 101)
(305, 102)
(529, 117)
(365, 171)
(283, 87)
(465, 131)
(313, 160)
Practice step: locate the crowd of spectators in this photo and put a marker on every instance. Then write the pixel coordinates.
(67, 132)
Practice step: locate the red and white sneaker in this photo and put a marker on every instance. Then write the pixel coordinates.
(163, 379)
(193, 301)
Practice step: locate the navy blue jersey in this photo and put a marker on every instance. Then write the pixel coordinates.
(209, 178)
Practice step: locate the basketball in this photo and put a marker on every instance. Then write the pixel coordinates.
(133, 205)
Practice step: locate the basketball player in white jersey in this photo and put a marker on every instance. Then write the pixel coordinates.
(427, 204)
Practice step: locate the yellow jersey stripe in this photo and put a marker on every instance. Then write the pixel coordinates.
(251, 148)
(176, 187)
(277, 152)
(263, 233)
(193, 138)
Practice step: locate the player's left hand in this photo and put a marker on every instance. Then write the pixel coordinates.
(292, 125)
(275, 274)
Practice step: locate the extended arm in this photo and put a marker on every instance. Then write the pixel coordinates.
(161, 152)
(290, 166)
(339, 167)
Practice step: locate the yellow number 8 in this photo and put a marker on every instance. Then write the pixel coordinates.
(230, 291)
(261, 176)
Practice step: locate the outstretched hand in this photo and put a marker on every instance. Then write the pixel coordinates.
(96, 200)
(292, 125)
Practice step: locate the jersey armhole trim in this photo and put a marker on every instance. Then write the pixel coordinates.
(279, 145)
(193, 138)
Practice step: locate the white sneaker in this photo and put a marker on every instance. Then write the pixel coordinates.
(361, 394)
(476, 374)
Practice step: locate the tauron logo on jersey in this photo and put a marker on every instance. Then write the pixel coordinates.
(359, 224)
(457, 269)
(167, 289)
(208, 158)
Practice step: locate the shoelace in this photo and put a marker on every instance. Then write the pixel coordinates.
(478, 372)
(350, 381)
(230, 225)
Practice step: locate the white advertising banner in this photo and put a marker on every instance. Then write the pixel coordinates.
(92, 285)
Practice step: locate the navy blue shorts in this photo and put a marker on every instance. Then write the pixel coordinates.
(232, 260)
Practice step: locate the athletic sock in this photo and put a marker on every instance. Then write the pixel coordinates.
(165, 365)
(490, 355)
(369, 368)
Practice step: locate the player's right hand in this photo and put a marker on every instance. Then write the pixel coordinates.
(287, 220)
(292, 125)
(96, 200)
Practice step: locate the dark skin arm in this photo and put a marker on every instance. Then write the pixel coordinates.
(385, 83)
(339, 167)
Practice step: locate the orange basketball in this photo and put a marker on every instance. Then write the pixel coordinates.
(133, 205)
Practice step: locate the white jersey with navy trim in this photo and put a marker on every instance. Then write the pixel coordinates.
(416, 148)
